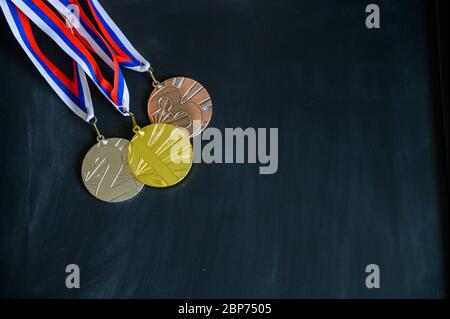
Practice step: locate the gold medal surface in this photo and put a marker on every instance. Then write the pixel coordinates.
(160, 155)
(105, 171)
(182, 102)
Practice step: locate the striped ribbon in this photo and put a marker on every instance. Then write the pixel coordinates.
(79, 38)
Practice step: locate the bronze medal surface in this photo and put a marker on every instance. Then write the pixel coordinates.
(160, 155)
(182, 102)
(106, 174)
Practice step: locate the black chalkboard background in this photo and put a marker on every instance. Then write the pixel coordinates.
(360, 176)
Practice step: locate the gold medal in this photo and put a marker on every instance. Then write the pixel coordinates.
(105, 171)
(159, 155)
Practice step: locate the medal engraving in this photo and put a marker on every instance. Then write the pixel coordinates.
(106, 174)
(160, 155)
(182, 102)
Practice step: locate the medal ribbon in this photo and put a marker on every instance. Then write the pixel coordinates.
(131, 57)
(74, 93)
(126, 54)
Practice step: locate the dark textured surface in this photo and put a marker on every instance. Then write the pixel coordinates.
(360, 171)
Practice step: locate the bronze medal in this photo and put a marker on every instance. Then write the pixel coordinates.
(182, 102)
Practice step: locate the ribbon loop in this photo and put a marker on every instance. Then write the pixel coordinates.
(75, 93)
(78, 43)
(113, 37)
(78, 37)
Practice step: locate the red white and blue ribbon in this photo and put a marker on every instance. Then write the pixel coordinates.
(127, 55)
(132, 59)
(85, 30)
(74, 93)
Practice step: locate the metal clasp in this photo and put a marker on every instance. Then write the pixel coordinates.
(155, 82)
(93, 121)
(136, 127)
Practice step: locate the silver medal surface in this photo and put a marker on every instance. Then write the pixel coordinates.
(106, 174)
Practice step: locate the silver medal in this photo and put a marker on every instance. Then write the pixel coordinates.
(106, 174)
